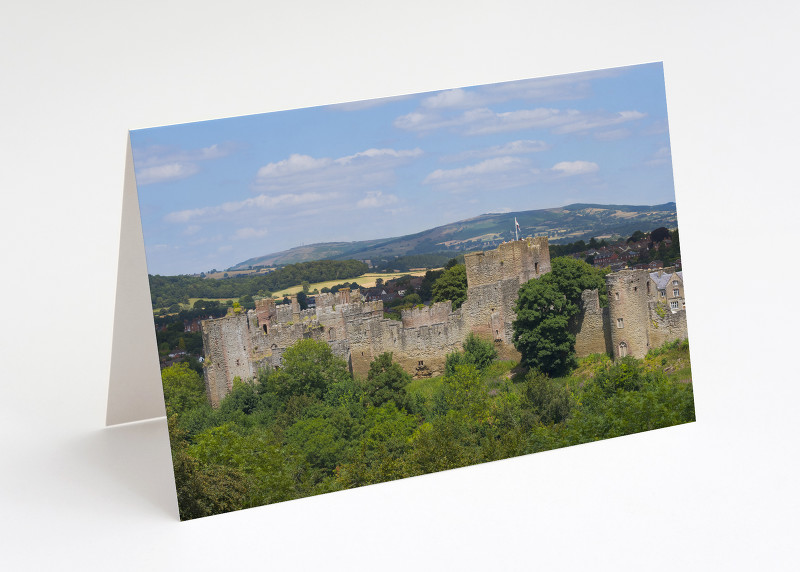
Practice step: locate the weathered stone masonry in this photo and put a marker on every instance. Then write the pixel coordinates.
(241, 344)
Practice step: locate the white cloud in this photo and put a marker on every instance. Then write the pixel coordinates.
(500, 173)
(491, 174)
(488, 166)
(520, 147)
(303, 172)
(484, 121)
(159, 164)
(612, 134)
(294, 164)
(163, 173)
(249, 232)
(261, 202)
(570, 168)
(661, 157)
(454, 98)
(375, 199)
(572, 86)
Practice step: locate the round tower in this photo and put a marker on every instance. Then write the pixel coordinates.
(628, 312)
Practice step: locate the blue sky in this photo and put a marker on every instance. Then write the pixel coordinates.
(215, 193)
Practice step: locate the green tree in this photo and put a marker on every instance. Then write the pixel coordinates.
(544, 309)
(452, 285)
(482, 352)
(477, 352)
(548, 400)
(184, 389)
(267, 469)
(203, 490)
(571, 277)
(659, 234)
(637, 236)
(386, 381)
(310, 368)
(426, 287)
(541, 330)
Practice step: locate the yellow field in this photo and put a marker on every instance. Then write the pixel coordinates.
(367, 280)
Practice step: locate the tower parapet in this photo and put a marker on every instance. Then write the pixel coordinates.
(521, 259)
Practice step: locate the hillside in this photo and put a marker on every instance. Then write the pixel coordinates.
(564, 224)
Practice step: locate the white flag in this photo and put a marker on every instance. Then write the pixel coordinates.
(516, 224)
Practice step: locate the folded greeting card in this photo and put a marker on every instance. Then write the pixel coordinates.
(355, 293)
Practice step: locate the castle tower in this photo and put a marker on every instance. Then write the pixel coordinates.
(520, 259)
(228, 345)
(265, 313)
(628, 299)
(494, 278)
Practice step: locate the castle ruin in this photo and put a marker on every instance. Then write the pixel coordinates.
(637, 318)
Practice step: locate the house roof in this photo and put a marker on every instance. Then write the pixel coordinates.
(662, 279)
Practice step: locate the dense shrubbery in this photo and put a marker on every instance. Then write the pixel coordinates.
(477, 352)
(310, 428)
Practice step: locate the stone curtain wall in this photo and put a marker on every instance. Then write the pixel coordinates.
(369, 337)
(436, 313)
(666, 326)
(591, 326)
(241, 344)
(358, 332)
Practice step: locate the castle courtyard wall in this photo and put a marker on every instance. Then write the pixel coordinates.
(590, 326)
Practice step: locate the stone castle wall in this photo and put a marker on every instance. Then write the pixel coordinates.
(628, 302)
(631, 324)
(665, 326)
(520, 259)
(227, 347)
(638, 321)
(592, 334)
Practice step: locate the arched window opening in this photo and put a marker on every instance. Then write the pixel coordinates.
(623, 349)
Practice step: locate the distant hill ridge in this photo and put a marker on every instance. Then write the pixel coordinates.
(579, 221)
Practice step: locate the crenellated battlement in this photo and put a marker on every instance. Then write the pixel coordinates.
(436, 313)
(521, 259)
(633, 322)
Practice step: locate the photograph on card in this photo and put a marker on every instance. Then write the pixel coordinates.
(355, 293)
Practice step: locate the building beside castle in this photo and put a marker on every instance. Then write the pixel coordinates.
(637, 318)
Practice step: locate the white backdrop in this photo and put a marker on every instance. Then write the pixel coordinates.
(717, 494)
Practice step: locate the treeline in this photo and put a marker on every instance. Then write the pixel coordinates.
(310, 428)
(575, 247)
(168, 290)
(406, 263)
